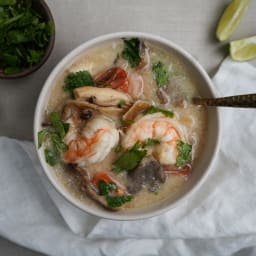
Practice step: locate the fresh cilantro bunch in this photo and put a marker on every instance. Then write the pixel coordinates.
(24, 35)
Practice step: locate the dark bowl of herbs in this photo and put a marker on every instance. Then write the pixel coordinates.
(27, 36)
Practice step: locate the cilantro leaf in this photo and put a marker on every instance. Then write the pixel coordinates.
(58, 145)
(7, 2)
(50, 157)
(129, 159)
(184, 154)
(121, 103)
(60, 127)
(154, 109)
(106, 188)
(66, 127)
(34, 56)
(12, 70)
(54, 135)
(41, 136)
(150, 142)
(78, 79)
(161, 74)
(131, 51)
(118, 148)
(117, 201)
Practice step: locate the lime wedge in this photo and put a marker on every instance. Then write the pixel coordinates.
(230, 18)
(244, 49)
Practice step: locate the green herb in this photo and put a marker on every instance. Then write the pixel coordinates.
(34, 56)
(131, 51)
(161, 74)
(60, 127)
(24, 35)
(58, 145)
(12, 70)
(184, 154)
(7, 2)
(150, 142)
(154, 109)
(129, 159)
(41, 137)
(121, 103)
(118, 148)
(50, 157)
(66, 127)
(117, 201)
(106, 188)
(78, 79)
(54, 135)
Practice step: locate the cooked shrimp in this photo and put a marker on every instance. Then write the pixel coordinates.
(157, 126)
(118, 79)
(91, 142)
(136, 85)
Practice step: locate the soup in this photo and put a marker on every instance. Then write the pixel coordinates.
(120, 130)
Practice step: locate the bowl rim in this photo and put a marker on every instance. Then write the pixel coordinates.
(41, 100)
(47, 51)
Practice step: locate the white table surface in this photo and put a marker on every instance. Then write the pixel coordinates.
(191, 24)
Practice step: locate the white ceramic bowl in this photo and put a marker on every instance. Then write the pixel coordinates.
(201, 167)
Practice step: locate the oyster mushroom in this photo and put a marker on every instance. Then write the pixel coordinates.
(105, 97)
(74, 112)
(138, 107)
(163, 96)
(110, 111)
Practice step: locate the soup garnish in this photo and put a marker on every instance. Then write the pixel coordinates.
(120, 127)
(161, 74)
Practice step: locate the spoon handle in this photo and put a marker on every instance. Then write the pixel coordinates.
(240, 101)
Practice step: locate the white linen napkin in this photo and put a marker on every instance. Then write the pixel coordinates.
(218, 219)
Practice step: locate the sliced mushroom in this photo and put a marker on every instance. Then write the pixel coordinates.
(105, 97)
(75, 115)
(163, 96)
(145, 57)
(110, 111)
(148, 174)
(138, 107)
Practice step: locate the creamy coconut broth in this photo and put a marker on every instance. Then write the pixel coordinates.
(133, 134)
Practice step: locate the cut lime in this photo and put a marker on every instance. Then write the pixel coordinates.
(244, 49)
(230, 18)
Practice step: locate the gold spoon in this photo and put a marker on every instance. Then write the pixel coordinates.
(239, 101)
